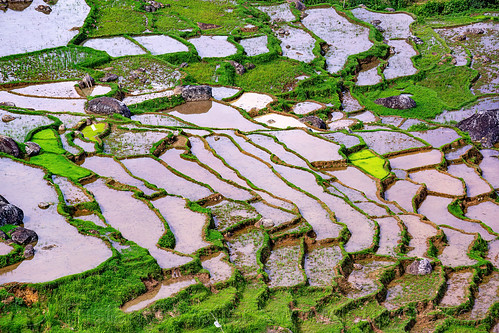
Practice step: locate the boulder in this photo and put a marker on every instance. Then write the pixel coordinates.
(267, 223)
(314, 121)
(7, 118)
(388, 9)
(43, 9)
(32, 148)
(107, 106)
(250, 66)
(400, 102)
(23, 236)
(240, 70)
(375, 22)
(419, 267)
(416, 40)
(109, 77)
(474, 31)
(184, 65)
(195, 93)
(29, 251)
(300, 5)
(482, 127)
(9, 146)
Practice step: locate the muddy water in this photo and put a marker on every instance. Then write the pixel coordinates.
(416, 160)
(70, 120)
(420, 233)
(488, 294)
(363, 280)
(108, 167)
(301, 142)
(46, 104)
(298, 44)
(306, 107)
(186, 225)
(268, 142)
(475, 185)
(133, 99)
(435, 209)
(402, 192)
(277, 216)
(389, 236)
(368, 76)
(389, 120)
(219, 269)
(356, 179)
(242, 250)
(122, 144)
(283, 267)
(279, 121)
(160, 44)
(384, 142)
(65, 145)
(228, 213)
(115, 46)
(438, 182)
(400, 63)
(213, 46)
(261, 176)
(72, 194)
(457, 289)
(340, 124)
(249, 101)
(22, 125)
(156, 173)
(320, 264)
(44, 31)
(5, 249)
(366, 117)
(395, 25)
(59, 243)
(195, 171)
(216, 115)
(489, 167)
(342, 138)
(55, 89)
(166, 289)
(410, 122)
(157, 119)
(345, 38)
(89, 147)
(220, 93)
(456, 154)
(254, 46)
(486, 212)
(459, 244)
(371, 209)
(278, 12)
(347, 192)
(438, 137)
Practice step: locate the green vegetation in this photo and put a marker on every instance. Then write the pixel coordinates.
(93, 131)
(49, 141)
(370, 162)
(60, 165)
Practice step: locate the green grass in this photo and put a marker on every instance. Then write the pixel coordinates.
(91, 133)
(60, 165)
(116, 21)
(48, 140)
(370, 162)
(202, 72)
(432, 50)
(415, 288)
(451, 85)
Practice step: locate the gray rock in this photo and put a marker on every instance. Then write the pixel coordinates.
(108, 77)
(29, 251)
(32, 148)
(107, 106)
(3, 235)
(9, 146)
(357, 266)
(419, 267)
(184, 65)
(390, 9)
(314, 121)
(375, 22)
(267, 223)
(300, 5)
(482, 127)
(400, 102)
(240, 70)
(44, 205)
(250, 66)
(196, 93)
(23, 236)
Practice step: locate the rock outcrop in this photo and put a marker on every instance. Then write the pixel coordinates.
(87, 82)
(240, 70)
(32, 148)
(107, 106)
(10, 214)
(29, 251)
(314, 121)
(482, 127)
(23, 236)
(400, 102)
(9, 146)
(419, 267)
(109, 77)
(195, 93)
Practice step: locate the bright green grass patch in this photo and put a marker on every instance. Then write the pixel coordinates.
(48, 140)
(60, 165)
(432, 50)
(364, 312)
(452, 85)
(118, 20)
(370, 162)
(428, 104)
(91, 132)
(214, 12)
(273, 77)
(202, 72)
